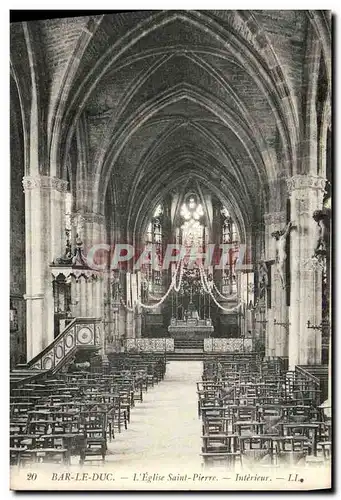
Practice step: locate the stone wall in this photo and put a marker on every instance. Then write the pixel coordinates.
(17, 245)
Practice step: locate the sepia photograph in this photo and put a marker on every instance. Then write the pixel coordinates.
(171, 250)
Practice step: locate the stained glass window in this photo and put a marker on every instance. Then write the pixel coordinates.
(154, 236)
(68, 207)
(192, 230)
(229, 237)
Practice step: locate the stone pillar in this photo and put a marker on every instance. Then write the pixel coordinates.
(306, 196)
(95, 233)
(44, 222)
(130, 325)
(121, 322)
(91, 228)
(130, 315)
(83, 296)
(276, 338)
(94, 229)
(90, 297)
(96, 297)
(138, 322)
(75, 297)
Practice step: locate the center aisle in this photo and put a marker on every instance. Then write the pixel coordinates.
(165, 429)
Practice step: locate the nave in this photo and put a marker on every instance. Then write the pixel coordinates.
(165, 429)
(171, 185)
(228, 412)
(128, 417)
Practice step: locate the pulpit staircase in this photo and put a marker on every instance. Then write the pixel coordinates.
(81, 335)
(316, 375)
(21, 375)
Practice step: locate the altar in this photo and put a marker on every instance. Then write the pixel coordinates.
(190, 328)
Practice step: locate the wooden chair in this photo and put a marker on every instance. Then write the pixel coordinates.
(289, 450)
(72, 442)
(326, 448)
(307, 431)
(16, 454)
(217, 425)
(95, 442)
(256, 449)
(220, 448)
(49, 455)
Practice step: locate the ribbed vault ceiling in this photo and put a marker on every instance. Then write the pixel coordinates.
(155, 98)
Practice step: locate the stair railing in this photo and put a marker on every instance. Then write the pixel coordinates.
(306, 383)
(81, 333)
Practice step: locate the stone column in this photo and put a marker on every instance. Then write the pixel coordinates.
(44, 220)
(117, 309)
(94, 229)
(130, 325)
(83, 296)
(75, 297)
(90, 296)
(138, 322)
(258, 234)
(91, 228)
(130, 315)
(96, 297)
(121, 322)
(276, 343)
(306, 196)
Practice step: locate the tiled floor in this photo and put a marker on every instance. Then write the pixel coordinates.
(164, 428)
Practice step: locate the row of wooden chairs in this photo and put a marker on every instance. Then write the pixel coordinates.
(75, 414)
(259, 413)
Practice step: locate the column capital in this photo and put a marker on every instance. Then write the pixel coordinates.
(90, 217)
(301, 182)
(80, 218)
(44, 182)
(275, 217)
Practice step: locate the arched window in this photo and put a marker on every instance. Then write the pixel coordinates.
(192, 230)
(230, 237)
(68, 207)
(154, 236)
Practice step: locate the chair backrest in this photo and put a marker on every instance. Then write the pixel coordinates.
(94, 420)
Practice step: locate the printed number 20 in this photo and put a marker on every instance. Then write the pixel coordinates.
(31, 476)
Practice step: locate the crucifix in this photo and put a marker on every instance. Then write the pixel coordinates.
(281, 256)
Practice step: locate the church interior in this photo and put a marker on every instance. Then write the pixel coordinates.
(170, 242)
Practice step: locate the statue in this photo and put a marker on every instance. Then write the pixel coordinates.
(67, 257)
(180, 312)
(78, 258)
(68, 249)
(320, 217)
(116, 288)
(262, 278)
(281, 256)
